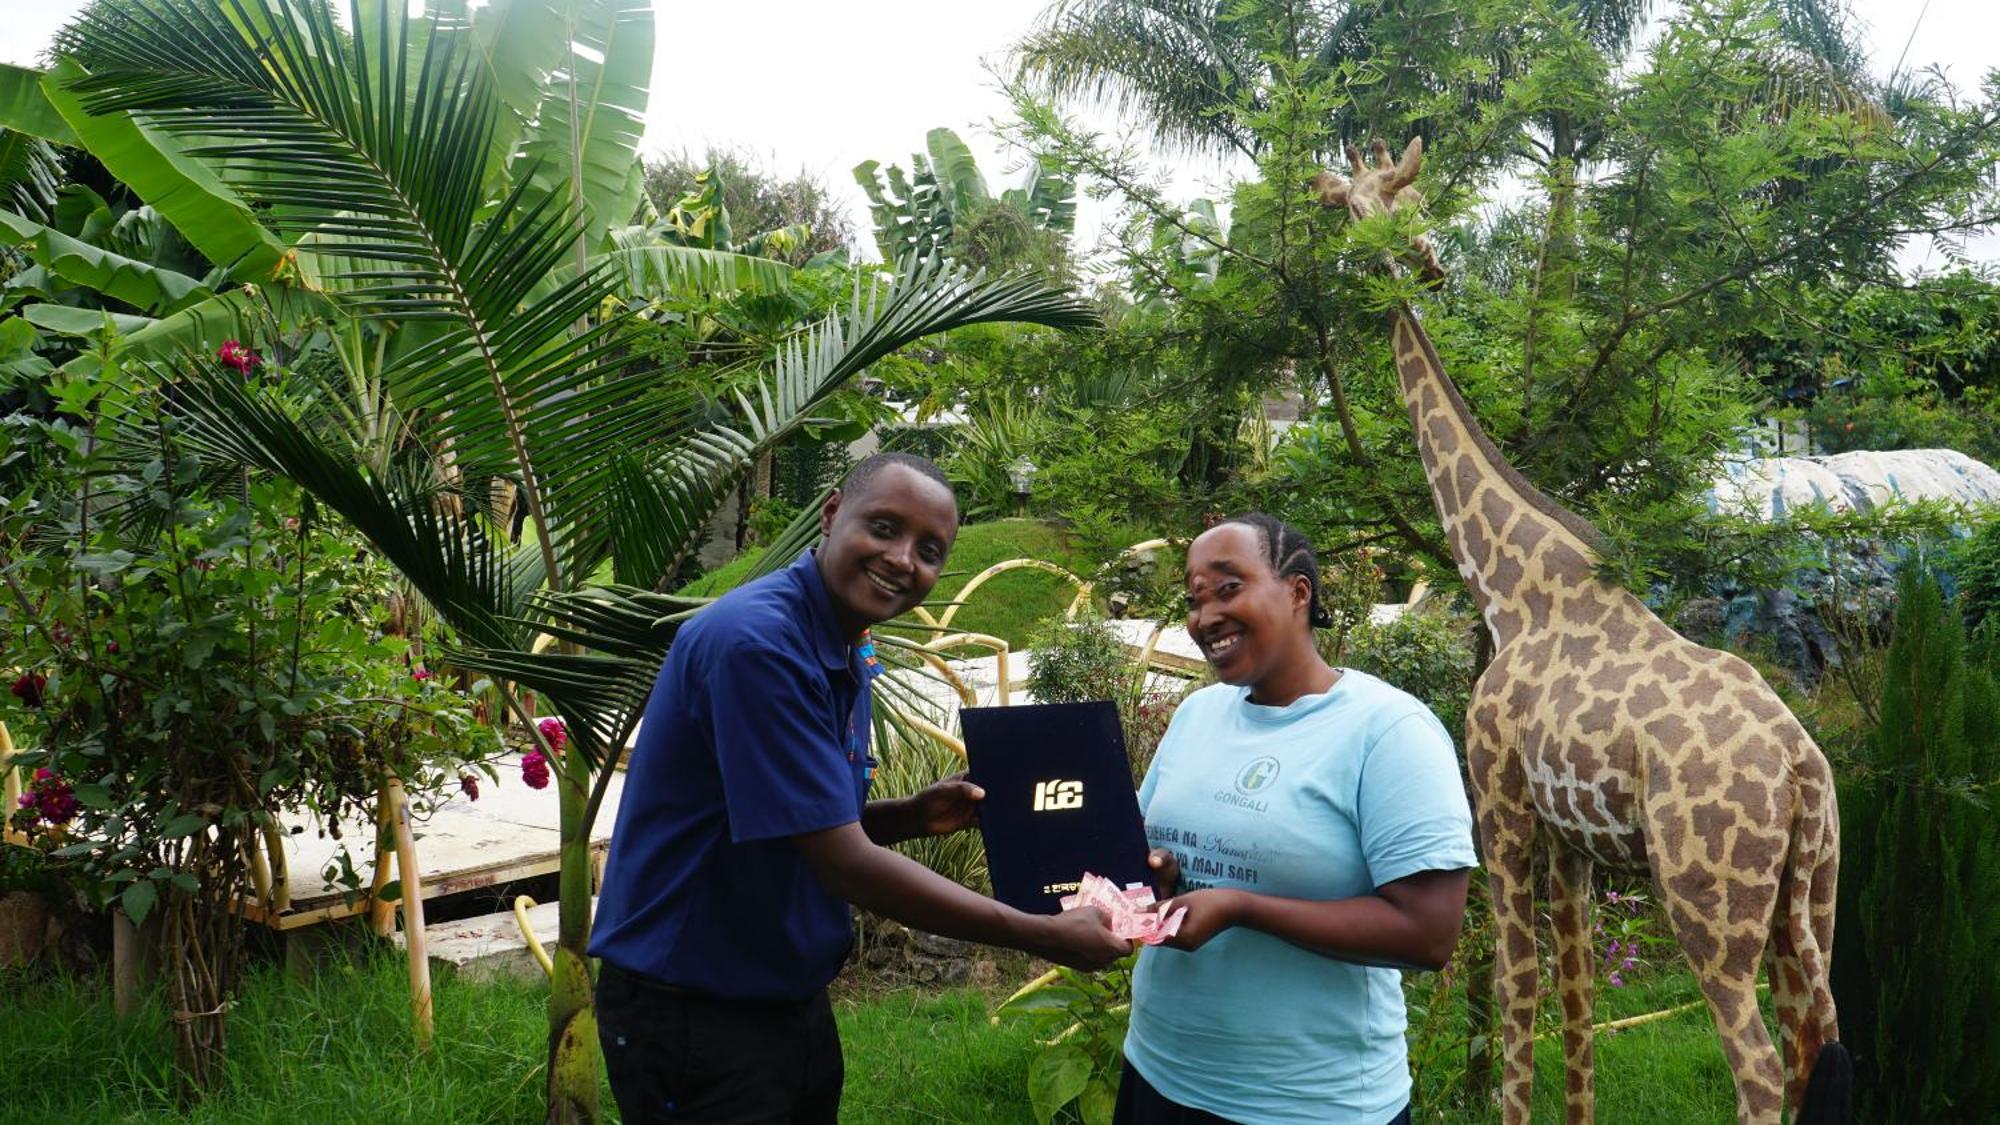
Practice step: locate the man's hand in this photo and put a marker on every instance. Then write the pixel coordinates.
(1166, 872)
(1209, 912)
(1082, 939)
(944, 806)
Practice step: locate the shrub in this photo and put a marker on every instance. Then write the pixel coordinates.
(1078, 660)
(1082, 660)
(1427, 653)
(1975, 564)
(198, 654)
(1913, 972)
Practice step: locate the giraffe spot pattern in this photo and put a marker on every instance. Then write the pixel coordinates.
(1652, 752)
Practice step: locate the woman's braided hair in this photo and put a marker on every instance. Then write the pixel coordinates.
(1288, 551)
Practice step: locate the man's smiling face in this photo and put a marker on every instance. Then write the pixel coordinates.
(885, 545)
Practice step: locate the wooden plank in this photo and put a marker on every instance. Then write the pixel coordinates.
(491, 946)
(510, 833)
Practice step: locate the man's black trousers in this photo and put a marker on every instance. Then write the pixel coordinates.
(686, 1057)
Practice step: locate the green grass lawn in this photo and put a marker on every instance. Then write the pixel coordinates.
(1008, 605)
(338, 1049)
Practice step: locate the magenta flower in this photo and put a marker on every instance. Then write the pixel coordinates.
(469, 785)
(535, 769)
(29, 689)
(554, 732)
(420, 674)
(50, 798)
(233, 354)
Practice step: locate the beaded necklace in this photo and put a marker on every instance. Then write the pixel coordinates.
(857, 741)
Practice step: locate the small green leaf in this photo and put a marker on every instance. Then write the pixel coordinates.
(1097, 1103)
(106, 563)
(392, 891)
(1055, 1078)
(186, 824)
(186, 881)
(138, 900)
(93, 796)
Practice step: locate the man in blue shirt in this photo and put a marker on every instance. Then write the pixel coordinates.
(744, 830)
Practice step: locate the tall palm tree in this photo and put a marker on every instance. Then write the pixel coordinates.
(454, 185)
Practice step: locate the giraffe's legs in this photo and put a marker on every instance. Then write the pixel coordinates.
(1575, 981)
(1722, 920)
(1506, 836)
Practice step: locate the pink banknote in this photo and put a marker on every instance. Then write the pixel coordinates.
(1129, 909)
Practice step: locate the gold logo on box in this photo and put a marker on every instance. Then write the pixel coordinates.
(1056, 795)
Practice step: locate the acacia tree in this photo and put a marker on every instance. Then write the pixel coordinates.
(1714, 194)
(449, 187)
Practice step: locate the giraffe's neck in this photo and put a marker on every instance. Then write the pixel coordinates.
(1515, 547)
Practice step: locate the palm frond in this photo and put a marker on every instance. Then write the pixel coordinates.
(652, 522)
(450, 560)
(642, 265)
(375, 144)
(1176, 63)
(602, 691)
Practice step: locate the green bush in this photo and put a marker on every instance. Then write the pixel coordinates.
(1427, 653)
(1975, 563)
(1077, 661)
(1913, 972)
(1082, 660)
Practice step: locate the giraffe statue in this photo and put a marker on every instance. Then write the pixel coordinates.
(1600, 737)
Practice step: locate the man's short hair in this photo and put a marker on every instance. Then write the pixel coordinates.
(858, 478)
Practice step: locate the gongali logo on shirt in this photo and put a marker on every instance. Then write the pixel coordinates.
(1257, 775)
(1055, 795)
(1251, 780)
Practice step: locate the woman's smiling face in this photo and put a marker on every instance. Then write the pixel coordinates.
(1244, 618)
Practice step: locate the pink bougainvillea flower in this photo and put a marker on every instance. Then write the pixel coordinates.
(29, 688)
(469, 785)
(236, 355)
(420, 674)
(554, 732)
(535, 769)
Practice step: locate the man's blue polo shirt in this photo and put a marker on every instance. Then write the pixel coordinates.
(756, 731)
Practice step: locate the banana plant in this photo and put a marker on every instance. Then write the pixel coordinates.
(918, 215)
(470, 277)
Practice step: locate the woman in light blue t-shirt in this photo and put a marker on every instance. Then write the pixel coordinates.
(1312, 821)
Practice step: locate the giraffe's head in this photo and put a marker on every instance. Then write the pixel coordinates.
(1383, 188)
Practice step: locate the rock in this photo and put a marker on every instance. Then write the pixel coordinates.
(24, 927)
(983, 974)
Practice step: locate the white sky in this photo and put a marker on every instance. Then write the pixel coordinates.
(825, 84)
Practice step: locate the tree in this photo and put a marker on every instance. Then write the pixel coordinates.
(1918, 835)
(726, 181)
(452, 185)
(943, 207)
(1708, 203)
